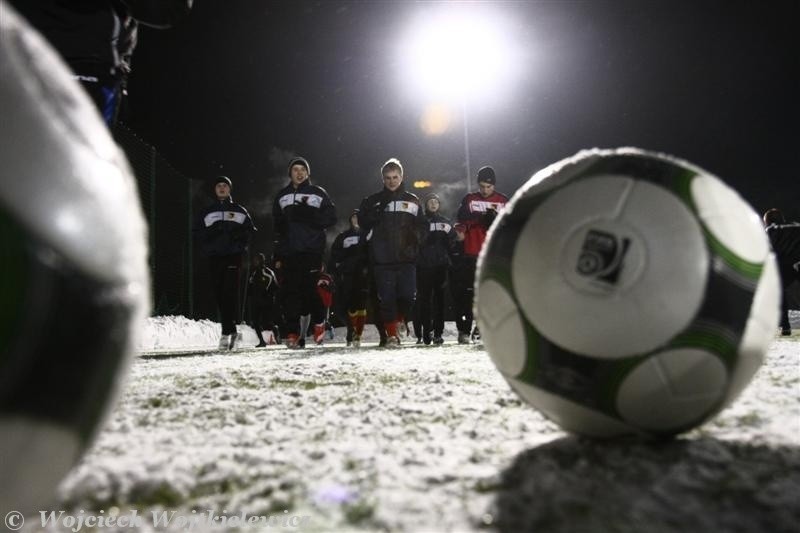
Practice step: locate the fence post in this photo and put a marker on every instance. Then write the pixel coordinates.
(152, 223)
(190, 247)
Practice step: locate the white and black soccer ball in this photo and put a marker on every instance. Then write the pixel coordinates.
(623, 291)
(74, 282)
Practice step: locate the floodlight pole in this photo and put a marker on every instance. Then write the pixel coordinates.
(466, 142)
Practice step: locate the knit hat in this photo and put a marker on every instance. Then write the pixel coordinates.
(223, 179)
(299, 161)
(486, 175)
(429, 197)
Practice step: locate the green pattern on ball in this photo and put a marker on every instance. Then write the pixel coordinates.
(533, 340)
(709, 340)
(751, 271)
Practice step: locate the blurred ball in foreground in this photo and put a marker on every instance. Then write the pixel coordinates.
(74, 284)
(623, 291)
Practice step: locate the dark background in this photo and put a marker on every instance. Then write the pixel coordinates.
(243, 85)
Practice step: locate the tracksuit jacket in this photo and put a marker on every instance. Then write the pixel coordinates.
(477, 213)
(395, 226)
(224, 228)
(300, 218)
(434, 251)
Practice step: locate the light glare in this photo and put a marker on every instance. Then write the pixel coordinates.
(435, 119)
(457, 53)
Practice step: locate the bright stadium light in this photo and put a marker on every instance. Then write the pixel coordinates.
(458, 53)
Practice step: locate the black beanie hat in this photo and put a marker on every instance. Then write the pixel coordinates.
(428, 198)
(298, 161)
(486, 175)
(223, 179)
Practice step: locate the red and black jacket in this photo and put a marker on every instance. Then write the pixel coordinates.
(477, 213)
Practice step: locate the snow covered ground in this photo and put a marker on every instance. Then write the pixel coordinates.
(421, 439)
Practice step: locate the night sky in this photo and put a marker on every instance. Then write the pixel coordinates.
(243, 85)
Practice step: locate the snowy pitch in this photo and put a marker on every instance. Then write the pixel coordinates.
(422, 439)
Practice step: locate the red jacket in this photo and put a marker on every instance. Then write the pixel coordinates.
(477, 213)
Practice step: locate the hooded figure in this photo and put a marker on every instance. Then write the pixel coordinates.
(97, 38)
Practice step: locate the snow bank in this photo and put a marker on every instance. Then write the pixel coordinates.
(172, 333)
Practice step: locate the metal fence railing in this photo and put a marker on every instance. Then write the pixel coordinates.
(166, 197)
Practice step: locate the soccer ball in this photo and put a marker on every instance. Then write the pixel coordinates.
(74, 282)
(624, 291)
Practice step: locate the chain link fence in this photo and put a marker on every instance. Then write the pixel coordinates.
(169, 200)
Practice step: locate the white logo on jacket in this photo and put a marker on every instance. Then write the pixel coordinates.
(292, 198)
(480, 206)
(218, 216)
(440, 226)
(350, 241)
(402, 206)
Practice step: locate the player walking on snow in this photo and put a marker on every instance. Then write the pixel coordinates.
(349, 268)
(395, 226)
(223, 229)
(475, 214)
(263, 286)
(301, 212)
(785, 239)
(97, 38)
(432, 267)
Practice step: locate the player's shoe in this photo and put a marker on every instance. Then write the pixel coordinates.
(236, 341)
(476, 334)
(292, 341)
(319, 333)
(224, 342)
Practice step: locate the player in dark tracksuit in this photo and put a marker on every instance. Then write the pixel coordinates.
(461, 278)
(785, 239)
(475, 214)
(96, 38)
(262, 289)
(223, 230)
(349, 269)
(301, 212)
(432, 265)
(395, 226)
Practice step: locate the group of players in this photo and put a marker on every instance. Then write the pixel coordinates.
(395, 257)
